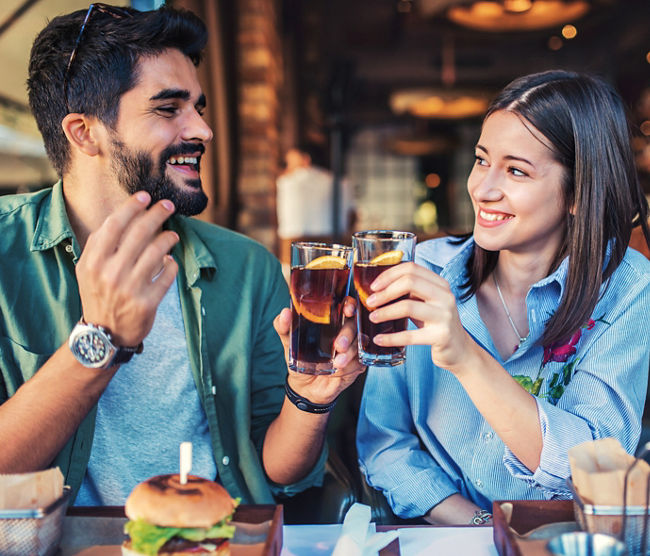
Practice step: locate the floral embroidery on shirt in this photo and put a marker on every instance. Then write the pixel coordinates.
(557, 353)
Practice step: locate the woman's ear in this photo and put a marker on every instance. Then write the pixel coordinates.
(81, 133)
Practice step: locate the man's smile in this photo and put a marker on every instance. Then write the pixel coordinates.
(188, 164)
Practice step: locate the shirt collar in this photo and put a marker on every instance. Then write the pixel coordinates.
(454, 270)
(52, 224)
(558, 276)
(191, 251)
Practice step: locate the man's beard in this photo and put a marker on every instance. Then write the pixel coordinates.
(135, 172)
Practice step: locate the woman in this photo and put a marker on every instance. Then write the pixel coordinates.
(529, 336)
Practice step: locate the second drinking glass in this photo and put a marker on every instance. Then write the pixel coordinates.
(374, 252)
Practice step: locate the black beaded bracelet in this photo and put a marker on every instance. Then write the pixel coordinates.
(304, 404)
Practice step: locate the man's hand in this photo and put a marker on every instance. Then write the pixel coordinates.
(295, 439)
(323, 389)
(118, 263)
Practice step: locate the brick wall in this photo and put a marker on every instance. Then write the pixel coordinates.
(259, 70)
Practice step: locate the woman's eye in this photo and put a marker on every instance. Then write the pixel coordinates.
(517, 172)
(479, 160)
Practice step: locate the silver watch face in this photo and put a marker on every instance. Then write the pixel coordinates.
(91, 346)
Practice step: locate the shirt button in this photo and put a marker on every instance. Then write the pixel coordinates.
(479, 483)
(68, 248)
(489, 435)
(225, 460)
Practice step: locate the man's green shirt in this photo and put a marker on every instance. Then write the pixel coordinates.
(231, 288)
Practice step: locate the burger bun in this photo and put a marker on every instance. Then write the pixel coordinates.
(163, 501)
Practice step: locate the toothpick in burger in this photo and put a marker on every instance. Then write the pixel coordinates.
(167, 518)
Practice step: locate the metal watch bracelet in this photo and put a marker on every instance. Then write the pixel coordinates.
(304, 404)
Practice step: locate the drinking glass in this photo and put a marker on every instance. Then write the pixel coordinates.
(374, 252)
(319, 283)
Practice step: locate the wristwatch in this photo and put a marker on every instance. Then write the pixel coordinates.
(93, 347)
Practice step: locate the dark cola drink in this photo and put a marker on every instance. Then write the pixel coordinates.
(317, 297)
(370, 353)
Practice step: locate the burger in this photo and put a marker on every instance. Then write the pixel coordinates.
(167, 518)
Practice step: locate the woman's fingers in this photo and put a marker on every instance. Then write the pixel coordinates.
(405, 269)
(414, 337)
(425, 286)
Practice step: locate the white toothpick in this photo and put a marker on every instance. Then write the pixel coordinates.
(186, 460)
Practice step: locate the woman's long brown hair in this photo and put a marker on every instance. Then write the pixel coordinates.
(584, 120)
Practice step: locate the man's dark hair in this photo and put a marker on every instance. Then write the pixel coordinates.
(105, 65)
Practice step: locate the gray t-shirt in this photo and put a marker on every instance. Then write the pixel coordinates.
(150, 406)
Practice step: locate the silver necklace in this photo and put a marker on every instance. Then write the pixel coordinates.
(522, 339)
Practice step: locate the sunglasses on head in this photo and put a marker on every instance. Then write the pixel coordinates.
(114, 11)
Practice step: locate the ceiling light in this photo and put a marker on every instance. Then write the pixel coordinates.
(443, 104)
(569, 32)
(516, 15)
(517, 6)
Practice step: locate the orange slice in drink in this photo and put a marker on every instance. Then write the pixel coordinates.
(363, 296)
(327, 262)
(316, 312)
(388, 258)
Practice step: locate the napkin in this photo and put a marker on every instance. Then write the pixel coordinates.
(354, 539)
(21, 491)
(598, 469)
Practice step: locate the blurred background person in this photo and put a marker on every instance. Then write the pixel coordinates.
(306, 197)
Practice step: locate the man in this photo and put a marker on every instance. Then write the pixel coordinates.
(305, 201)
(100, 264)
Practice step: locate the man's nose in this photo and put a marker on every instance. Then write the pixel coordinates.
(196, 128)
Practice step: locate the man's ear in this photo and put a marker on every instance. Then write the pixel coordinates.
(82, 133)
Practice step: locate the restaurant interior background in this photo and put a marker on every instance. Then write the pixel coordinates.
(389, 92)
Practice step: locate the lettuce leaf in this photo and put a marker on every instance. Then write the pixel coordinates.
(220, 530)
(148, 538)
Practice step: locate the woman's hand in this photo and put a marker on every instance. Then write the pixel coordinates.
(430, 305)
(323, 389)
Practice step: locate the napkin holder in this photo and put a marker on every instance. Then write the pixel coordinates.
(33, 531)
